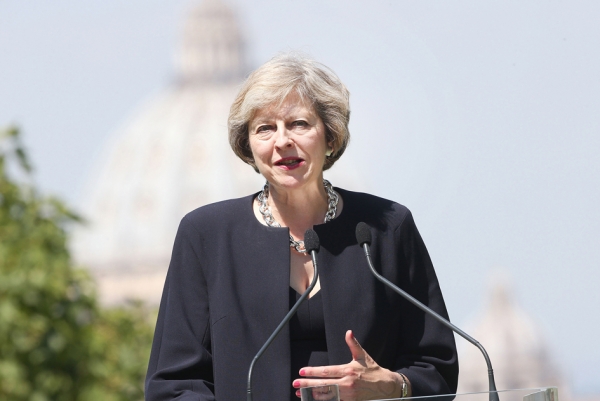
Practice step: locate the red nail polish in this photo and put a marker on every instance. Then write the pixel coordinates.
(296, 384)
(302, 372)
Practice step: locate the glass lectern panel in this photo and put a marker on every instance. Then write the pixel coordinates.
(528, 394)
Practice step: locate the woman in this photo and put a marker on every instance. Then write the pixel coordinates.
(239, 265)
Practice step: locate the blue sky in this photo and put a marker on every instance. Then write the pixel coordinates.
(481, 117)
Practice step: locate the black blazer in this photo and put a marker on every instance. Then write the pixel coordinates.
(228, 288)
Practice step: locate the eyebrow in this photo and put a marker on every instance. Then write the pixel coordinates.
(294, 115)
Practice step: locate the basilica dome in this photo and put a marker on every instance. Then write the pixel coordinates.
(169, 158)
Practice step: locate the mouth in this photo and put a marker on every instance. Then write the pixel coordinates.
(289, 163)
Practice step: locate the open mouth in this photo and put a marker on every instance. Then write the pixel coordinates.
(289, 162)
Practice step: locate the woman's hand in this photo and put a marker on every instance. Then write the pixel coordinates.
(361, 379)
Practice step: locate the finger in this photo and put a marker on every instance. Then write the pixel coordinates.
(301, 383)
(358, 353)
(334, 371)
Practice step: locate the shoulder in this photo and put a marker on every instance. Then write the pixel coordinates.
(379, 212)
(219, 214)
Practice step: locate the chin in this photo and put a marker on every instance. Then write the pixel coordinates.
(292, 182)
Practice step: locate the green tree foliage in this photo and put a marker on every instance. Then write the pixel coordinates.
(56, 342)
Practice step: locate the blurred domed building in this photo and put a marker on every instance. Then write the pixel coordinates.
(171, 157)
(519, 355)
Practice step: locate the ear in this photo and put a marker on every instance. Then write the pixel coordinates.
(330, 149)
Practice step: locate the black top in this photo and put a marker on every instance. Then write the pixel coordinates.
(308, 345)
(228, 288)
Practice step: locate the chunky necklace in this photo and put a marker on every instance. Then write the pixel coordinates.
(265, 210)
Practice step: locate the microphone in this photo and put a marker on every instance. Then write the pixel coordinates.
(363, 236)
(312, 245)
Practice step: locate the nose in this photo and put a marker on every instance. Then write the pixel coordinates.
(283, 137)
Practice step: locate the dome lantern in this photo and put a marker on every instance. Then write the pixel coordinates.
(212, 48)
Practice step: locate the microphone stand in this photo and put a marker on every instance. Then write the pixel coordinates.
(492, 384)
(313, 254)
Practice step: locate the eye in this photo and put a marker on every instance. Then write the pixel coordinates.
(300, 124)
(264, 130)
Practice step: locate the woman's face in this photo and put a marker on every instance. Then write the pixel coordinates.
(288, 144)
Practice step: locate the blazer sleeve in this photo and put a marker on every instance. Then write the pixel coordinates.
(428, 350)
(180, 366)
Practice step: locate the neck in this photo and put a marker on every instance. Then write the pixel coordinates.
(299, 209)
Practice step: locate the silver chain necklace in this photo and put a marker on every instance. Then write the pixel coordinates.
(265, 210)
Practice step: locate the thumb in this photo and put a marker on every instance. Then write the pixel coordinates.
(358, 353)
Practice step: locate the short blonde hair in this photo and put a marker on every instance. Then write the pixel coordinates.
(273, 82)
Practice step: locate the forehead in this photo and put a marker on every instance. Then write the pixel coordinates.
(291, 106)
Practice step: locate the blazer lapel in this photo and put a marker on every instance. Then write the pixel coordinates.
(263, 307)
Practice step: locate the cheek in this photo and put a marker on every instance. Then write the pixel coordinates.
(259, 151)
